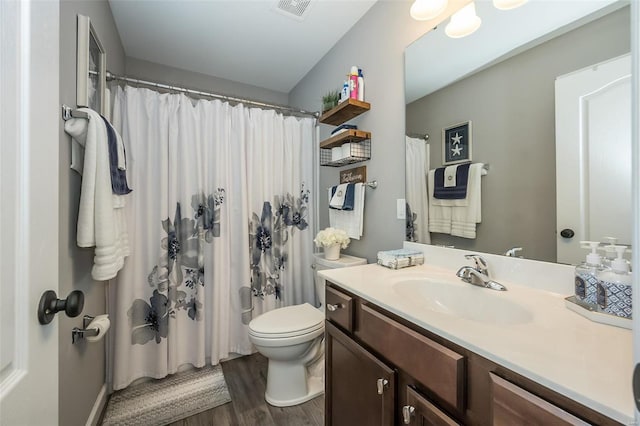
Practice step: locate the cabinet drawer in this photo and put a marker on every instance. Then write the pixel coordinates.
(438, 368)
(512, 405)
(420, 411)
(339, 308)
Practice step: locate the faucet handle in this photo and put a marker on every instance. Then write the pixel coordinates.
(481, 264)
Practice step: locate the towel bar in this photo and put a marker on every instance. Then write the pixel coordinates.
(69, 113)
(373, 184)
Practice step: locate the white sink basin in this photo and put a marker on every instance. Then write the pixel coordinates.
(462, 300)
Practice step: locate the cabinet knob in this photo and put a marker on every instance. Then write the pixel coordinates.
(334, 307)
(407, 412)
(381, 384)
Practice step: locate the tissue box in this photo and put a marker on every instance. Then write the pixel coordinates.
(401, 258)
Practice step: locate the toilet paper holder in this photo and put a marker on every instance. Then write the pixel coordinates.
(78, 334)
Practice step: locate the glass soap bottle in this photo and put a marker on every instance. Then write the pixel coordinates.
(614, 294)
(586, 275)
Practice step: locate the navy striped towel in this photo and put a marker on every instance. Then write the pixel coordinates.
(458, 192)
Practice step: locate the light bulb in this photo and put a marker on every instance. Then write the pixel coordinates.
(423, 10)
(508, 4)
(463, 22)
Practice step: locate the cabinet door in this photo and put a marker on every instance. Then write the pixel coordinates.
(513, 405)
(419, 411)
(360, 389)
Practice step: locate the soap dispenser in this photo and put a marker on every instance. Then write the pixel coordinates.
(614, 287)
(586, 275)
(609, 251)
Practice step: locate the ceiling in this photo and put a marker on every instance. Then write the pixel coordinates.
(435, 60)
(240, 40)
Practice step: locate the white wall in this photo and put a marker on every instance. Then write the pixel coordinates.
(376, 44)
(145, 70)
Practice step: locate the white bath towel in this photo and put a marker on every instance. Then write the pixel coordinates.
(100, 216)
(458, 219)
(337, 201)
(350, 221)
(439, 216)
(464, 219)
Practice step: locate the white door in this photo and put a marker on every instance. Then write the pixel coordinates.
(593, 156)
(29, 120)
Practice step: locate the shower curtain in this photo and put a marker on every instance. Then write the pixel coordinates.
(417, 167)
(220, 229)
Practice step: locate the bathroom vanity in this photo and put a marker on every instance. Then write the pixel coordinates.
(417, 346)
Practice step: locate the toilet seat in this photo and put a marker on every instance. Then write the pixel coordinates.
(290, 321)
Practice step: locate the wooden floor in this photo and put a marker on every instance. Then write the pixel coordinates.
(246, 378)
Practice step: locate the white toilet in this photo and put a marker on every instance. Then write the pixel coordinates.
(292, 338)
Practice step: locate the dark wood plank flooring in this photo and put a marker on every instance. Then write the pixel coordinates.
(247, 378)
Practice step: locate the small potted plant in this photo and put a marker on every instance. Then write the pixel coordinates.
(330, 100)
(332, 240)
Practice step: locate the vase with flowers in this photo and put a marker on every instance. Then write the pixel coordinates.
(332, 240)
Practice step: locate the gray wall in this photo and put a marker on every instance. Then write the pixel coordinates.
(81, 366)
(145, 70)
(511, 106)
(376, 44)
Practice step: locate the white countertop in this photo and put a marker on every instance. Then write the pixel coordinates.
(589, 362)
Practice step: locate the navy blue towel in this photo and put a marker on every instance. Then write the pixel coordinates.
(119, 184)
(457, 192)
(348, 197)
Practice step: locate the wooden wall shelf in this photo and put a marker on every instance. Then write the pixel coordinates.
(344, 112)
(350, 135)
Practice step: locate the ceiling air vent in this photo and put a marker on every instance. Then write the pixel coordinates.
(296, 9)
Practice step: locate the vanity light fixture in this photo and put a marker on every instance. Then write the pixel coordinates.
(423, 10)
(508, 4)
(463, 22)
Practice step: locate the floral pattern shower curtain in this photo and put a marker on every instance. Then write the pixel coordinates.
(220, 229)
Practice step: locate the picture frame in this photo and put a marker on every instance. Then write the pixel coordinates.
(91, 68)
(456, 143)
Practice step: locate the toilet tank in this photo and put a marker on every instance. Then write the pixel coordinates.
(320, 263)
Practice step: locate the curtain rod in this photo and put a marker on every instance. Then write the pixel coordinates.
(110, 77)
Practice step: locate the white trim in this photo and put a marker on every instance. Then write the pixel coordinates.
(635, 175)
(98, 407)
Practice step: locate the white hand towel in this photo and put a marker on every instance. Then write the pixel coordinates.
(350, 221)
(450, 176)
(439, 216)
(99, 223)
(337, 201)
(464, 219)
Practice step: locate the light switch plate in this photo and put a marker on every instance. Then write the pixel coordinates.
(401, 208)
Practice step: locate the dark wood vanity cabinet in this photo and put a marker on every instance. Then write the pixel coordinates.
(362, 387)
(384, 370)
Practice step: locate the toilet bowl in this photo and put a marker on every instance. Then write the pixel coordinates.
(292, 339)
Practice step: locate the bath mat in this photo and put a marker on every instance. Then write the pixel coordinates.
(160, 402)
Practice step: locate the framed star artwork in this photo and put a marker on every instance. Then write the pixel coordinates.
(456, 143)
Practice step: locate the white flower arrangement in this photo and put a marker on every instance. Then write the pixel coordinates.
(330, 236)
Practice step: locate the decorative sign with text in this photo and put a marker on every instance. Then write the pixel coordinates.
(354, 175)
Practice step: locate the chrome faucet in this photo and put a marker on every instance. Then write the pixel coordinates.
(478, 275)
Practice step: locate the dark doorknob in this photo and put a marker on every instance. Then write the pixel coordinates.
(567, 233)
(50, 305)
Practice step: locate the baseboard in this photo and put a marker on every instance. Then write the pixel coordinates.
(98, 407)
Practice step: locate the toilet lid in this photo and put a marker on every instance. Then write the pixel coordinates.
(290, 320)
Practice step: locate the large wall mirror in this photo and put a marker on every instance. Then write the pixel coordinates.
(503, 79)
(91, 68)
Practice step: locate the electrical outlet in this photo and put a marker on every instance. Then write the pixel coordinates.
(401, 208)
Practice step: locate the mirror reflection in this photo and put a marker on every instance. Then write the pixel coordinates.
(508, 91)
